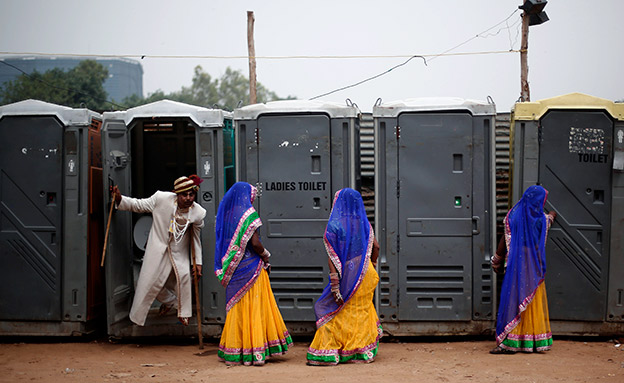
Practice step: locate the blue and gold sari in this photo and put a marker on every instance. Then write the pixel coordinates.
(522, 323)
(348, 332)
(254, 329)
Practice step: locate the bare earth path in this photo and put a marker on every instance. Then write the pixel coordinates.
(458, 360)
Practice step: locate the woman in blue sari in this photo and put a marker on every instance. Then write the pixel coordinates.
(254, 329)
(523, 323)
(348, 328)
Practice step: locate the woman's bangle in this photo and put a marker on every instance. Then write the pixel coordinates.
(334, 279)
(496, 259)
(266, 254)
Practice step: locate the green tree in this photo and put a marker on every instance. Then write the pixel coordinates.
(136, 100)
(234, 88)
(86, 81)
(225, 92)
(82, 86)
(203, 91)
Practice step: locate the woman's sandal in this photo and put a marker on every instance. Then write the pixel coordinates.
(164, 309)
(184, 321)
(499, 350)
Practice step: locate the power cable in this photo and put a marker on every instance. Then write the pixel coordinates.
(299, 57)
(370, 78)
(483, 34)
(477, 35)
(423, 57)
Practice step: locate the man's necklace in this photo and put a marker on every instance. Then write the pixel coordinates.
(179, 223)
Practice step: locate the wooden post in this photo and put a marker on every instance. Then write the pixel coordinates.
(110, 214)
(200, 334)
(525, 94)
(252, 57)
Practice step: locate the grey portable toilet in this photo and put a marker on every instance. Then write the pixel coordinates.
(435, 215)
(573, 145)
(50, 220)
(298, 153)
(145, 149)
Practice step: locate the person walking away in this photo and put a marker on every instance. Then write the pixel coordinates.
(165, 272)
(254, 329)
(348, 328)
(522, 323)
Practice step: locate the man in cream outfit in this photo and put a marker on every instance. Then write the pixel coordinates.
(166, 271)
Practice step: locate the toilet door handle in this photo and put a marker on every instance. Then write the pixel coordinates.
(475, 225)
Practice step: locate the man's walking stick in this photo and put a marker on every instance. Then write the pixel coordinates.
(197, 300)
(110, 214)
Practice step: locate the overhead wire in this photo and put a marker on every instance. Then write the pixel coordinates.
(292, 57)
(445, 53)
(370, 78)
(483, 34)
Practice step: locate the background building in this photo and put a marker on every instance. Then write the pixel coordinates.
(125, 76)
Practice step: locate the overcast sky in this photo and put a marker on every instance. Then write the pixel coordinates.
(579, 50)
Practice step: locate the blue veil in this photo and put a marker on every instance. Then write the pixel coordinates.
(236, 265)
(348, 242)
(526, 226)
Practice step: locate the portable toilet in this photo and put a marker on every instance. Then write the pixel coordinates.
(298, 153)
(435, 215)
(573, 145)
(146, 149)
(51, 220)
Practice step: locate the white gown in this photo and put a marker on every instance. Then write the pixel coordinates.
(166, 269)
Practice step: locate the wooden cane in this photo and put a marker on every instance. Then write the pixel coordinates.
(110, 214)
(197, 300)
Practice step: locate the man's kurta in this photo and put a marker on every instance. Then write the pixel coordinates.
(163, 256)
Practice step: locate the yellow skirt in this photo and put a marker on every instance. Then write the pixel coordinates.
(533, 332)
(254, 329)
(353, 334)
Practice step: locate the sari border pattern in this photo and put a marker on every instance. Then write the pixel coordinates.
(240, 293)
(256, 356)
(333, 357)
(528, 343)
(328, 247)
(369, 248)
(236, 248)
(521, 308)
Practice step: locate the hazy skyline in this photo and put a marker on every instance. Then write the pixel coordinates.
(578, 50)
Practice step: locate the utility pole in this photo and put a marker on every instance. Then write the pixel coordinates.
(533, 15)
(525, 94)
(252, 57)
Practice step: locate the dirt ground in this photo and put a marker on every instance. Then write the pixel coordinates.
(399, 360)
